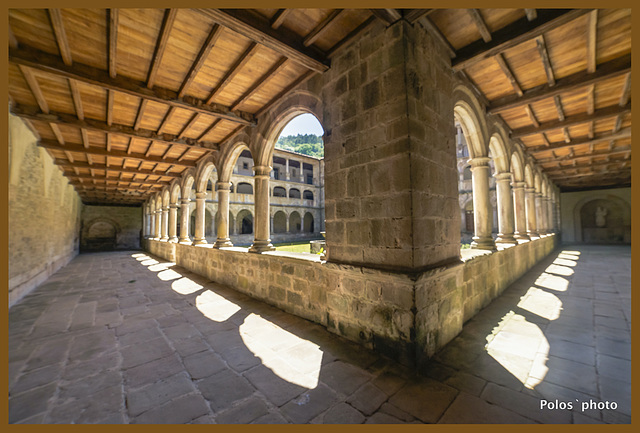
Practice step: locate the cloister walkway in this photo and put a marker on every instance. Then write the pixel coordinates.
(123, 337)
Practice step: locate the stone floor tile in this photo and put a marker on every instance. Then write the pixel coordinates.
(383, 418)
(224, 388)
(179, 411)
(307, 406)
(467, 409)
(367, 399)
(425, 399)
(203, 364)
(35, 378)
(30, 403)
(274, 388)
(525, 405)
(245, 412)
(343, 378)
(271, 418)
(153, 371)
(342, 413)
(142, 399)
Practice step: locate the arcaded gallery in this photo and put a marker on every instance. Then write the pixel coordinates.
(463, 243)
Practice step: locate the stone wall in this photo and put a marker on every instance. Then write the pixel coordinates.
(578, 227)
(110, 228)
(405, 316)
(44, 213)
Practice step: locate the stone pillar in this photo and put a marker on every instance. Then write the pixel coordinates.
(173, 222)
(165, 224)
(482, 212)
(549, 209)
(199, 237)
(262, 242)
(520, 210)
(184, 221)
(287, 175)
(223, 216)
(505, 209)
(542, 228)
(157, 235)
(532, 226)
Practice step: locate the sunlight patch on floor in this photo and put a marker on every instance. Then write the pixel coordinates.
(541, 303)
(567, 256)
(168, 275)
(559, 270)
(269, 342)
(149, 262)
(552, 282)
(185, 286)
(161, 266)
(520, 347)
(214, 306)
(564, 262)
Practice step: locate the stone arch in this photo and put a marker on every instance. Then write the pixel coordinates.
(279, 191)
(517, 167)
(528, 176)
(309, 223)
(617, 220)
(280, 222)
(188, 179)
(468, 113)
(174, 191)
(296, 103)
(307, 195)
(100, 234)
(244, 188)
(294, 193)
(499, 153)
(295, 222)
(537, 184)
(203, 173)
(229, 155)
(244, 219)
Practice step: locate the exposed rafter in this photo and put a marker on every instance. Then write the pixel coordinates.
(61, 36)
(114, 18)
(279, 17)
(546, 61)
(388, 16)
(161, 45)
(202, 56)
(480, 24)
(46, 62)
(233, 70)
(321, 28)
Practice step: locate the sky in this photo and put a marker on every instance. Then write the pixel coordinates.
(303, 124)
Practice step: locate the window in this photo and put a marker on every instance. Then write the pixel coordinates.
(245, 165)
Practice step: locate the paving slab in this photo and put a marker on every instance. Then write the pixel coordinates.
(106, 340)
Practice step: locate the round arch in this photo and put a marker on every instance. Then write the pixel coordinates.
(309, 223)
(517, 167)
(295, 222)
(280, 222)
(594, 200)
(465, 112)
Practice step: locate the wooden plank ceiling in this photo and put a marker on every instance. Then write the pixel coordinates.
(125, 100)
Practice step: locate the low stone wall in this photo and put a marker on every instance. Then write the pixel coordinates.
(405, 316)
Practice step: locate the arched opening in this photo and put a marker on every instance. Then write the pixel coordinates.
(279, 191)
(468, 217)
(208, 223)
(244, 220)
(294, 193)
(466, 173)
(280, 222)
(295, 223)
(605, 221)
(244, 188)
(308, 223)
(465, 186)
(101, 235)
(307, 195)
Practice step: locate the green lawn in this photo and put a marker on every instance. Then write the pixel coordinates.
(296, 247)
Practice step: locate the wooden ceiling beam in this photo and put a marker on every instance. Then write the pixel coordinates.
(233, 71)
(480, 24)
(351, 36)
(99, 126)
(279, 17)
(257, 28)
(105, 179)
(563, 169)
(388, 16)
(413, 15)
(32, 82)
(259, 82)
(623, 133)
(61, 36)
(77, 100)
(602, 113)
(161, 45)
(570, 157)
(605, 71)
(113, 19)
(626, 91)
(110, 101)
(592, 29)
(531, 14)
(13, 41)
(322, 28)
(72, 147)
(514, 34)
(546, 61)
(509, 74)
(42, 61)
(206, 48)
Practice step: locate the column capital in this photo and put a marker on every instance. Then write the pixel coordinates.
(174, 206)
(518, 184)
(480, 162)
(184, 201)
(225, 186)
(201, 195)
(502, 177)
(262, 170)
(529, 189)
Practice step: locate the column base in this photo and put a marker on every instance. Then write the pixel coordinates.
(533, 235)
(522, 237)
(199, 242)
(486, 243)
(173, 239)
(261, 246)
(506, 239)
(164, 238)
(185, 241)
(222, 243)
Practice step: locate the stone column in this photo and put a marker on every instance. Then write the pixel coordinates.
(549, 209)
(184, 221)
(223, 216)
(482, 213)
(173, 222)
(532, 223)
(165, 224)
(199, 237)
(287, 175)
(505, 209)
(261, 242)
(542, 228)
(520, 210)
(158, 223)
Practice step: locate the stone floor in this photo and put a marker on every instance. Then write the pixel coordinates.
(124, 337)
